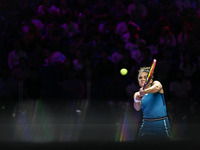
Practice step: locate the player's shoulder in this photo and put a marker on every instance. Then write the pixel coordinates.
(160, 85)
(156, 82)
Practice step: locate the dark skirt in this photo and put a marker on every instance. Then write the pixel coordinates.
(155, 130)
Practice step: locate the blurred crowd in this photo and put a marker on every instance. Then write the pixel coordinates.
(75, 49)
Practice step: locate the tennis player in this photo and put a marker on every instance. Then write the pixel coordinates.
(155, 124)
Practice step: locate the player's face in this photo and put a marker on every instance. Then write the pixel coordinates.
(142, 78)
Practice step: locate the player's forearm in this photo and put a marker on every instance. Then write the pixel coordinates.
(153, 89)
(137, 106)
(137, 101)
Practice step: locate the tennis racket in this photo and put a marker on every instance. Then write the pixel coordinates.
(151, 70)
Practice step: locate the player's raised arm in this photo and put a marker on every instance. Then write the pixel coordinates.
(156, 87)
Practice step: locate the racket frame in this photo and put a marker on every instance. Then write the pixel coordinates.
(150, 73)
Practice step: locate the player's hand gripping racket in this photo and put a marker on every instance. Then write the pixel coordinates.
(151, 70)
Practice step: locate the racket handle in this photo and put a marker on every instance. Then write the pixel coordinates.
(144, 87)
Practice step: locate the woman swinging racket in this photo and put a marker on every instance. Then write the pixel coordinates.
(150, 99)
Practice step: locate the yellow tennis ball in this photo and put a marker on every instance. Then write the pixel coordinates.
(123, 71)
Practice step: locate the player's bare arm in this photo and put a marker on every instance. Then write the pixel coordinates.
(156, 87)
(137, 101)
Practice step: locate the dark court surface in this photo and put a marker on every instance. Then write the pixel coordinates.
(183, 144)
(59, 124)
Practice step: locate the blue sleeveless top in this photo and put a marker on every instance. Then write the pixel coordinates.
(153, 105)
